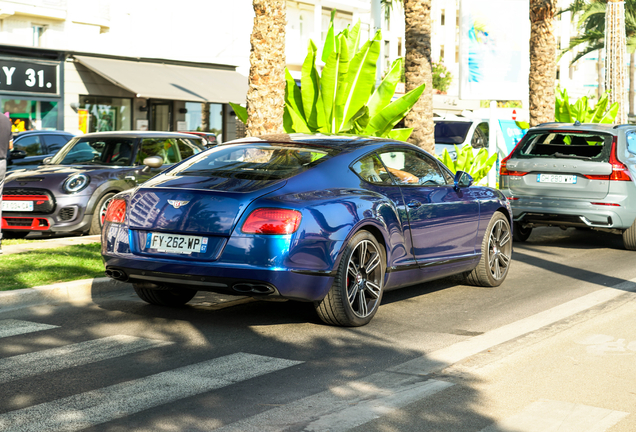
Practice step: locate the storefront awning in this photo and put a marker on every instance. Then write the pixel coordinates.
(167, 81)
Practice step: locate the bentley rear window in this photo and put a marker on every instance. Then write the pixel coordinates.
(567, 145)
(255, 161)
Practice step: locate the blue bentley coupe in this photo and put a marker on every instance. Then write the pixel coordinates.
(328, 219)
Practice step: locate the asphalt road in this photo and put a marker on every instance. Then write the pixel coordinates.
(553, 347)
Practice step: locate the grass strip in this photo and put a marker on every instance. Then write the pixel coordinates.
(48, 266)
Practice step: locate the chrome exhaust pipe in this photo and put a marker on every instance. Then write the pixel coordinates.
(117, 274)
(250, 288)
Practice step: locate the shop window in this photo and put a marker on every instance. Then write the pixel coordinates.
(195, 118)
(106, 114)
(29, 114)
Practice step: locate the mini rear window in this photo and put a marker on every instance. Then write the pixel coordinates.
(256, 161)
(566, 145)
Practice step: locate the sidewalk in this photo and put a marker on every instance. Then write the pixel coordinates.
(49, 243)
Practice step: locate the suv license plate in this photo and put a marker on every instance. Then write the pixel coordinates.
(175, 243)
(17, 206)
(556, 178)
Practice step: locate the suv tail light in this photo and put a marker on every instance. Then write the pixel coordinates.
(619, 170)
(272, 221)
(116, 211)
(503, 170)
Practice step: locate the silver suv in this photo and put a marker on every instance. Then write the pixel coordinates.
(573, 175)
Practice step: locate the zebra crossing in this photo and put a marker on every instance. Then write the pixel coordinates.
(338, 409)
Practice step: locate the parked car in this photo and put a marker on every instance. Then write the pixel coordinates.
(331, 220)
(459, 131)
(573, 175)
(70, 193)
(30, 148)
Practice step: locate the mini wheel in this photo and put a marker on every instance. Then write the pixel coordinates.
(100, 214)
(519, 233)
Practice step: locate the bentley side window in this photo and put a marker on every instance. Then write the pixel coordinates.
(408, 167)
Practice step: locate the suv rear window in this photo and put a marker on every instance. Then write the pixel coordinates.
(256, 161)
(568, 145)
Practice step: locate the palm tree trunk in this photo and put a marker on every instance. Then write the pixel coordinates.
(599, 73)
(632, 78)
(418, 70)
(615, 57)
(266, 92)
(542, 78)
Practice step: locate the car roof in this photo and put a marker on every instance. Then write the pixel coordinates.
(43, 132)
(137, 134)
(583, 127)
(325, 140)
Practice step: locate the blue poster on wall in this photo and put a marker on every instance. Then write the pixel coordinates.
(512, 134)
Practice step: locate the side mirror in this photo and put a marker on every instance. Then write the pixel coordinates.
(153, 162)
(17, 154)
(462, 180)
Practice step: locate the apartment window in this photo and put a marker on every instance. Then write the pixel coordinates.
(399, 47)
(441, 53)
(457, 18)
(442, 19)
(387, 54)
(558, 74)
(38, 35)
(456, 53)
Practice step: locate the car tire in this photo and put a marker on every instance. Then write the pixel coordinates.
(496, 253)
(165, 297)
(519, 233)
(629, 237)
(100, 212)
(356, 293)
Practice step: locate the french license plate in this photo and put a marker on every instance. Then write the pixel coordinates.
(175, 243)
(17, 206)
(556, 178)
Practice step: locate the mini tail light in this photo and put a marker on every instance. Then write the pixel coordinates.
(272, 221)
(116, 211)
(606, 204)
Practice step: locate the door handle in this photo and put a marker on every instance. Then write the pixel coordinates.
(414, 204)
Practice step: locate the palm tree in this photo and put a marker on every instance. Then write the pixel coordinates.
(266, 92)
(418, 70)
(591, 23)
(615, 48)
(542, 79)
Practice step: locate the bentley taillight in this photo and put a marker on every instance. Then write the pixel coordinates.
(272, 221)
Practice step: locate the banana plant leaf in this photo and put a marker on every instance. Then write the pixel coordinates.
(360, 80)
(611, 114)
(310, 90)
(294, 119)
(241, 112)
(385, 91)
(333, 81)
(353, 38)
(330, 40)
(401, 134)
(382, 123)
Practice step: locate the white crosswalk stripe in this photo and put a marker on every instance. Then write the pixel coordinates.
(11, 327)
(99, 406)
(344, 407)
(32, 364)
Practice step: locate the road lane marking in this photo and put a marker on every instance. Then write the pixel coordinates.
(344, 407)
(547, 415)
(11, 327)
(54, 359)
(120, 400)
(445, 357)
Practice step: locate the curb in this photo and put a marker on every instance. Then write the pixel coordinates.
(79, 291)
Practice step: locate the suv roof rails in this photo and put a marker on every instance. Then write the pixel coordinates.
(548, 123)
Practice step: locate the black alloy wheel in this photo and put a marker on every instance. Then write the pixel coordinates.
(357, 290)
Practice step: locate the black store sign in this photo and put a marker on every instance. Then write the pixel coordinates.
(28, 77)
